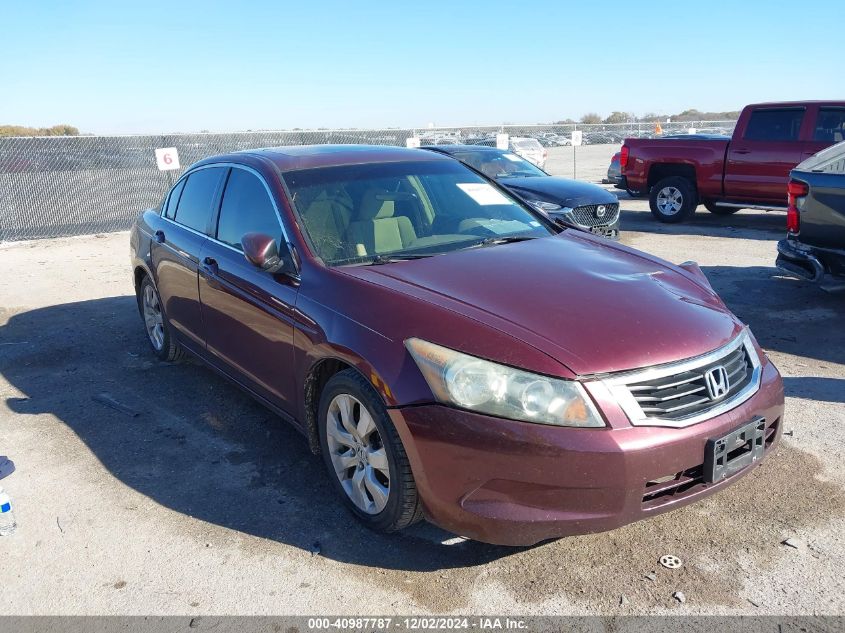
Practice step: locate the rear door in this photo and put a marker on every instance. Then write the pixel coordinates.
(828, 128)
(175, 251)
(248, 313)
(758, 164)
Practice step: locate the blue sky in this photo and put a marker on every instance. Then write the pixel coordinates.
(126, 67)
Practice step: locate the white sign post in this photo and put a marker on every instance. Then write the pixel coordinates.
(576, 140)
(167, 158)
(502, 141)
(413, 141)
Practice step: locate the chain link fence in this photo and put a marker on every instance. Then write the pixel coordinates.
(61, 186)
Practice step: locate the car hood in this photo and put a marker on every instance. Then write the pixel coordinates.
(562, 191)
(592, 306)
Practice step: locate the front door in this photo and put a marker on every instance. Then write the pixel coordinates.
(248, 313)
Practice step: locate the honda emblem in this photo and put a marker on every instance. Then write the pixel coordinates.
(717, 382)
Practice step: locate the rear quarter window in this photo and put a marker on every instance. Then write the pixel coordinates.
(774, 124)
(173, 199)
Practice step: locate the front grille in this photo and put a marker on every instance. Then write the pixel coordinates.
(587, 215)
(677, 396)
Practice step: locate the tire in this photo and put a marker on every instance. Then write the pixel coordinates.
(400, 506)
(160, 338)
(673, 199)
(717, 210)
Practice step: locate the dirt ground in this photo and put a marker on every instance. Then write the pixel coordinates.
(204, 502)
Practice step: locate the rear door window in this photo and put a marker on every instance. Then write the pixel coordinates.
(774, 124)
(246, 208)
(830, 125)
(195, 203)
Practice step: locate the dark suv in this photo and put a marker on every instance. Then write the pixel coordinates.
(815, 241)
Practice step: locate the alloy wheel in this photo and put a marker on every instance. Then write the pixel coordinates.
(670, 200)
(358, 454)
(153, 320)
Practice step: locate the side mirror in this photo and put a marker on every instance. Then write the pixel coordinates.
(261, 251)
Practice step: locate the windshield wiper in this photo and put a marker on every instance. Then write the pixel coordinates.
(507, 239)
(389, 259)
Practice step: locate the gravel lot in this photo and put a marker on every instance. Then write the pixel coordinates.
(204, 502)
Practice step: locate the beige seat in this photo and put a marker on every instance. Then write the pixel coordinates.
(327, 219)
(376, 230)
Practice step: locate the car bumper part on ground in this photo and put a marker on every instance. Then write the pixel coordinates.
(516, 483)
(809, 262)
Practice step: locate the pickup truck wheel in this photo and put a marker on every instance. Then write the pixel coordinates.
(673, 199)
(717, 210)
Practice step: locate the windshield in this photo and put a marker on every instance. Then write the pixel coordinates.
(367, 213)
(500, 164)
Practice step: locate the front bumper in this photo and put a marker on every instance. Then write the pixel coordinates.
(809, 262)
(516, 483)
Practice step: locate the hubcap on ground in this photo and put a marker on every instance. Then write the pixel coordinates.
(357, 453)
(153, 320)
(669, 200)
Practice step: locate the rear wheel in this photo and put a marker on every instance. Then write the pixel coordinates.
(155, 323)
(364, 455)
(673, 199)
(712, 207)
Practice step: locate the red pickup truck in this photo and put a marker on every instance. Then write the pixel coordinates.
(749, 170)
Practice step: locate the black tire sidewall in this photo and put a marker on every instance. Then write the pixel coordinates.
(717, 210)
(688, 194)
(352, 383)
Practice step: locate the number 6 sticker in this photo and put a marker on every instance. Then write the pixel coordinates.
(167, 158)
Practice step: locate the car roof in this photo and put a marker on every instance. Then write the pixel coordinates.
(451, 149)
(295, 157)
(793, 104)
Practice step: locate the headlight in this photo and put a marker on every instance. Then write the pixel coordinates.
(544, 206)
(478, 385)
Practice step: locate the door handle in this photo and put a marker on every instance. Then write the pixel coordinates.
(742, 151)
(159, 236)
(209, 264)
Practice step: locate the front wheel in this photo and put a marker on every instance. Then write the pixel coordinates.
(367, 463)
(673, 199)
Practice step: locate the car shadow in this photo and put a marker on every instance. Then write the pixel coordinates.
(191, 441)
(746, 224)
(815, 388)
(786, 315)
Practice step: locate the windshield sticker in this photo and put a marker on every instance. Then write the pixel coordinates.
(513, 157)
(482, 193)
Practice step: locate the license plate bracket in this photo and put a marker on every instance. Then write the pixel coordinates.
(730, 453)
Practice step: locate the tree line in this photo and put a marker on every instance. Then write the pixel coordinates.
(652, 117)
(56, 130)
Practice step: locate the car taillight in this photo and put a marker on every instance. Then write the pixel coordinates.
(795, 190)
(623, 157)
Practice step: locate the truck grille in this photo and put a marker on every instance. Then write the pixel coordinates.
(686, 392)
(677, 396)
(587, 215)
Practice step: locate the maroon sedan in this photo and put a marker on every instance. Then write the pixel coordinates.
(449, 352)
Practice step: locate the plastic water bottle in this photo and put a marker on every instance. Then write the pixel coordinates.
(7, 516)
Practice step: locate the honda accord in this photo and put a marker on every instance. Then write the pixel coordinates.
(397, 308)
